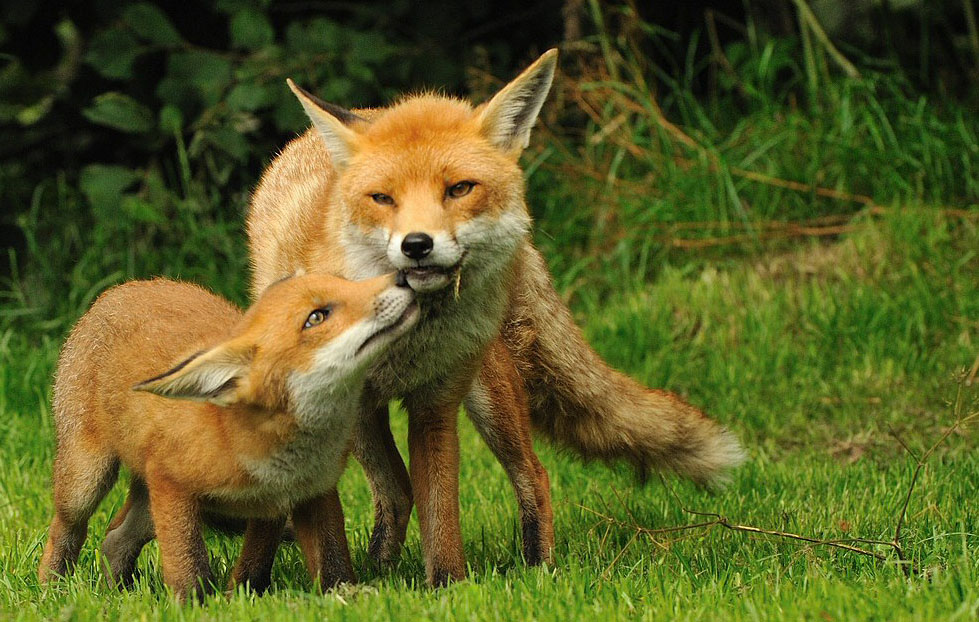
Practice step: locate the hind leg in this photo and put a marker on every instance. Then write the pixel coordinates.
(129, 531)
(497, 406)
(82, 477)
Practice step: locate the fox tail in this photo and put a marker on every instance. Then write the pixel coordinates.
(581, 403)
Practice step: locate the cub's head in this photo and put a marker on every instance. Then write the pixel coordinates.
(432, 184)
(306, 337)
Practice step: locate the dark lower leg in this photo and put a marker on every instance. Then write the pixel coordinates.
(128, 533)
(375, 449)
(323, 540)
(254, 566)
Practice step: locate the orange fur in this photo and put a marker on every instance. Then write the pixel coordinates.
(343, 198)
(269, 388)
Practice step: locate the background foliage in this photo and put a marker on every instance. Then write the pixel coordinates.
(132, 132)
(769, 206)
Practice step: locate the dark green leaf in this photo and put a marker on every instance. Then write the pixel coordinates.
(251, 30)
(151, 24)
(369, 48)
(141, 210)
(203, 73)
(112, 52)
(121, 112)
(317, 36)
(103, 184)
(171, 119)
(229, 141)
(249, 96)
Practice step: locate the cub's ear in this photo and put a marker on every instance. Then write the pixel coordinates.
(508, 118)
(218, 375)
(332, 124)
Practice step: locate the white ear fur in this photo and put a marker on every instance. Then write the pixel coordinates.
(329, 121)
(508, 118)
(215, 376)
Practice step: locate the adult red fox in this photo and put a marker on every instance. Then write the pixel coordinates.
(432, 186)
(271, 400)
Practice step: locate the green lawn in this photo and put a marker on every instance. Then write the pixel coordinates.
(824, 353)
(816, 357)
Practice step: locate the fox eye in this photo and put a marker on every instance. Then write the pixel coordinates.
(317, 317)
(460, 189)
(382, 199)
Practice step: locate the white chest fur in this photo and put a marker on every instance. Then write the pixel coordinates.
(311, 461)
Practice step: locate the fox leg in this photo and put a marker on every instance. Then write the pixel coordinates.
(376, 451)
(129, 531)
(433, 445)
(82, 477)
(323, 540)
(254, 566)
(177, 518)
(497, 406)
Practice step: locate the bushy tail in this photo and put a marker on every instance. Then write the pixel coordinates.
(580, 402)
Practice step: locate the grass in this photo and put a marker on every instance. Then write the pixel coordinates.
(824, 354)
(812, 356)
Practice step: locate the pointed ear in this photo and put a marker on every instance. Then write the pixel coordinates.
(218, 375)
(508, 118)
(331, 122)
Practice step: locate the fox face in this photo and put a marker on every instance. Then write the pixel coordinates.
(306, 337)
(432, 185)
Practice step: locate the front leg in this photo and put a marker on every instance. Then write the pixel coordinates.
(377, 453)
(433, 444)
(254, 566)
(321, 536)
(177, 518)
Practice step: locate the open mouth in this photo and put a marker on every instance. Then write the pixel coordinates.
(422, 272)
(406, 316)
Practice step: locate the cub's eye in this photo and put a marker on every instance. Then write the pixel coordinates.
(382, 199)
(317, 317)
(460, 190)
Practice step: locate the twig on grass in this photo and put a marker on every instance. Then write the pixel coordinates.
(895, 544)
(959, 422)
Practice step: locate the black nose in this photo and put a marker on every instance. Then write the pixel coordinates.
(417, 245)
(401, 279)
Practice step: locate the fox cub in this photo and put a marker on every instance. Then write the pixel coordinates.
(268, 406)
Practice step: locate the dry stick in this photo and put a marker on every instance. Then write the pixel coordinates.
(839, 543)
(908, 566)
(692, 243)
(970, 21)
(788, 230)
(791, 229)
(971, 376)
(717, 51)
(817, 29)
(959, 422)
